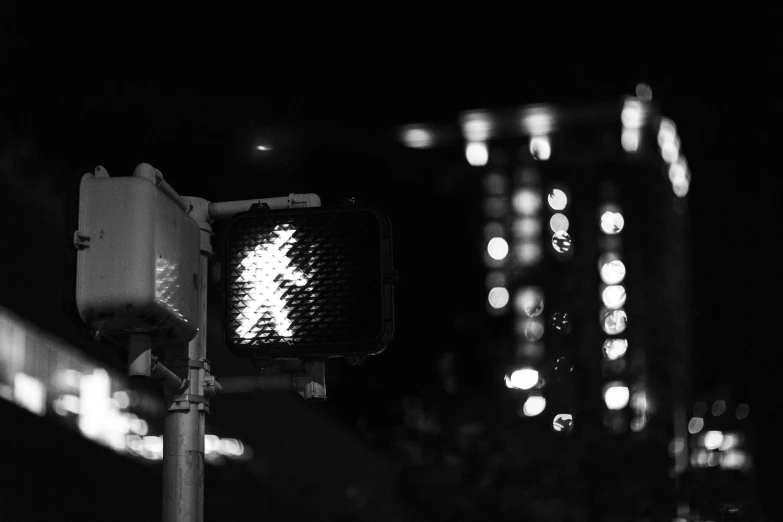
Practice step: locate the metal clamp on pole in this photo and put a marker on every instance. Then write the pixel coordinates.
(309, 382)
(197, 391)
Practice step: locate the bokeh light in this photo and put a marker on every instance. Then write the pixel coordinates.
(477, 153)
(493, 229)
(630, 140)
(613, 296)
(497, 248)
(613, 272)
(531, 329)
(498, 297)
(540, 148)
(561, 241)
(632, 115)
(526, 202)
(529, 301)
(713, 440)
(644, 92)
(534, 405)
(616, 396)
(528, 253)
(558, 222)
(695, 425)
(495, 184)
(557, 199)
(524, 378)
(615, 348)
(612, 222)
(495, 278)
(563, 422)
(615, 322)
(417, 137)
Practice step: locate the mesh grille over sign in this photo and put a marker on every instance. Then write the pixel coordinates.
(309, 281)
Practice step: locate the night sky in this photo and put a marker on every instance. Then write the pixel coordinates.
(335, 141)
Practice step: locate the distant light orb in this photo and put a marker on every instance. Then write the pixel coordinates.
(494, 279)
(263, 148)
(615, 322)
(670, 150)
(558, 222)
(417, 138)
(540, 148)
(615, 348)
(476, 153)
(524, 378)
(630, 140)
(527, 227)
(613, 296)
(530, 301)
(734, 459)
(743, 410)
(700, 409)
(612, 222)
(632, 115)
(495, 184)
(667, 132)
(561, 241)
(616, 396)
(713, 440)
(493, 229)
(498, 297)
(528, 253)
(495, 207)
(534, 406)
(644, 92)
(557, 199)
(718, 408)
(695, 425)
(478, 127)
(613, 272)
(531, 329)
(563, 422)
(526, 202)
(497, 248)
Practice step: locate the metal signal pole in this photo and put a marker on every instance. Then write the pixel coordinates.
(183, 432)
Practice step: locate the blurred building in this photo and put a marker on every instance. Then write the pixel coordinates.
(720, 480)
(583, 237)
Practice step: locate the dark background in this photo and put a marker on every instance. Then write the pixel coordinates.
(333, 138)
